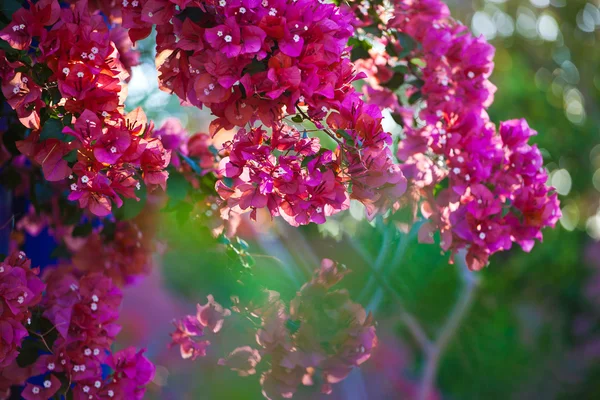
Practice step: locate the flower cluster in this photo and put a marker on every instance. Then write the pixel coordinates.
(70, 93)
(20, 290)
(265, 61)
(190, 328)
(483, 188)
(300, 184)
(123, 257)
(321, 337)
(83, 309)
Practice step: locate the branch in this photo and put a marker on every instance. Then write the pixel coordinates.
(411, 322)
(434, 353)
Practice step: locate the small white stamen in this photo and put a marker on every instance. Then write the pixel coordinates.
(95, 298)
(482, 236)
(66, 71)
(456, 171)
(94, 306)
(47, 384)
(296, 38)
(80, 74)
(113, 149)
(228, 39)
(97, 384)
(35, 390)
(471, 74)
(73, 186)
(219, 33)
(242, 10)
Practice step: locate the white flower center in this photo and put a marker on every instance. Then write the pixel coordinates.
(47, 384)
(228, 39)
(296, 38)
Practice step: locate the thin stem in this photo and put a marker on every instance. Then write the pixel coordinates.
(435, 352)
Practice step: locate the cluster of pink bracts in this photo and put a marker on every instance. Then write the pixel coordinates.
(322, 335)
(83, 309)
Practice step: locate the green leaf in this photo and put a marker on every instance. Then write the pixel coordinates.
(177, 186)
(396, 81)
(345, 135)
(416, 96)
(71, 156)
(306, 160)
(52, 129)
(398, 119)
(407, 42)
(360, 48)
(9, 7)
(131, 207)
(298, 119)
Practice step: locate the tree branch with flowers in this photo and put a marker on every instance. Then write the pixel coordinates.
(284, 75)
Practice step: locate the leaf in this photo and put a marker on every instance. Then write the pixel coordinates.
(9, 7)
(306, 160)
(360, 48)
(396, 81)
(52, 129)
(398, 119)
(71, 156)
(345, 135)
(407, 42)
(298, 119)
(29, 352)
(131, 207)
(177, 186)
(416, 96)
(401, 69)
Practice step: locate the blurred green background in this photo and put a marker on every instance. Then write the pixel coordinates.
(533, 329)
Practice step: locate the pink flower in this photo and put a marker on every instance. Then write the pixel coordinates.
(212, 314)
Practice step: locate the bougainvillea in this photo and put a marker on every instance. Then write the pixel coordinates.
(303, 87)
